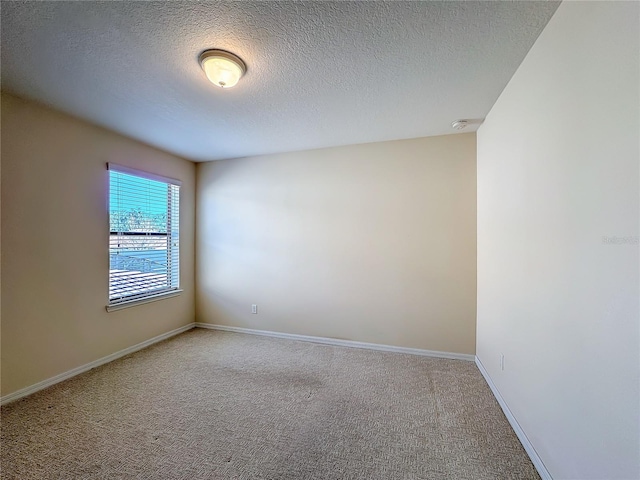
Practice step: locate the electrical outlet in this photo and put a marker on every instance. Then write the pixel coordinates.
(254, 308)
(502, 361)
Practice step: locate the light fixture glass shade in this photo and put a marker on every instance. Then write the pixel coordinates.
(223, 69)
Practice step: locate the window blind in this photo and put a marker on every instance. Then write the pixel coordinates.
(144, 234)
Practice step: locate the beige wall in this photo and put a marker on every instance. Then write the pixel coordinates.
(55, 230)
(558, 167)
(374, 243)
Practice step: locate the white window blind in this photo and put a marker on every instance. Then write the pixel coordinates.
(144, 237)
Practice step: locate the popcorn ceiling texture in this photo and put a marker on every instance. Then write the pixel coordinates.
(319, 73)
(214, 405)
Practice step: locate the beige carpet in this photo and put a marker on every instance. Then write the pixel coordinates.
(220, 405)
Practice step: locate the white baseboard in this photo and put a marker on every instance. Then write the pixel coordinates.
(524, 440)
(96, 363)
(340, 343)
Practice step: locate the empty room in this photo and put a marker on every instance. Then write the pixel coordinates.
(320, 240)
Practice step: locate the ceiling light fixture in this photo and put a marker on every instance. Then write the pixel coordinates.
(223, 69)
(459, 124)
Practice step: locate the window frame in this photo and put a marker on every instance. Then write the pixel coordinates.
(157, 294)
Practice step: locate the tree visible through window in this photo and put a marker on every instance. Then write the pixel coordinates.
(144, 235)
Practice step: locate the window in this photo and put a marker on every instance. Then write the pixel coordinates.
(144, 237)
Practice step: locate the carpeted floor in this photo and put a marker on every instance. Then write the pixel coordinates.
(215, 405)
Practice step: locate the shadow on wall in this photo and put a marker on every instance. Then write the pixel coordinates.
(374, 243)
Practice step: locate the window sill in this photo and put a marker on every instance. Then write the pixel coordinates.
(141, 301)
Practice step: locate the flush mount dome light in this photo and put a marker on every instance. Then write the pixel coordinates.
(223, 69)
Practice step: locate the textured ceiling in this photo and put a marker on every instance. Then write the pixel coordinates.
(319, 73)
